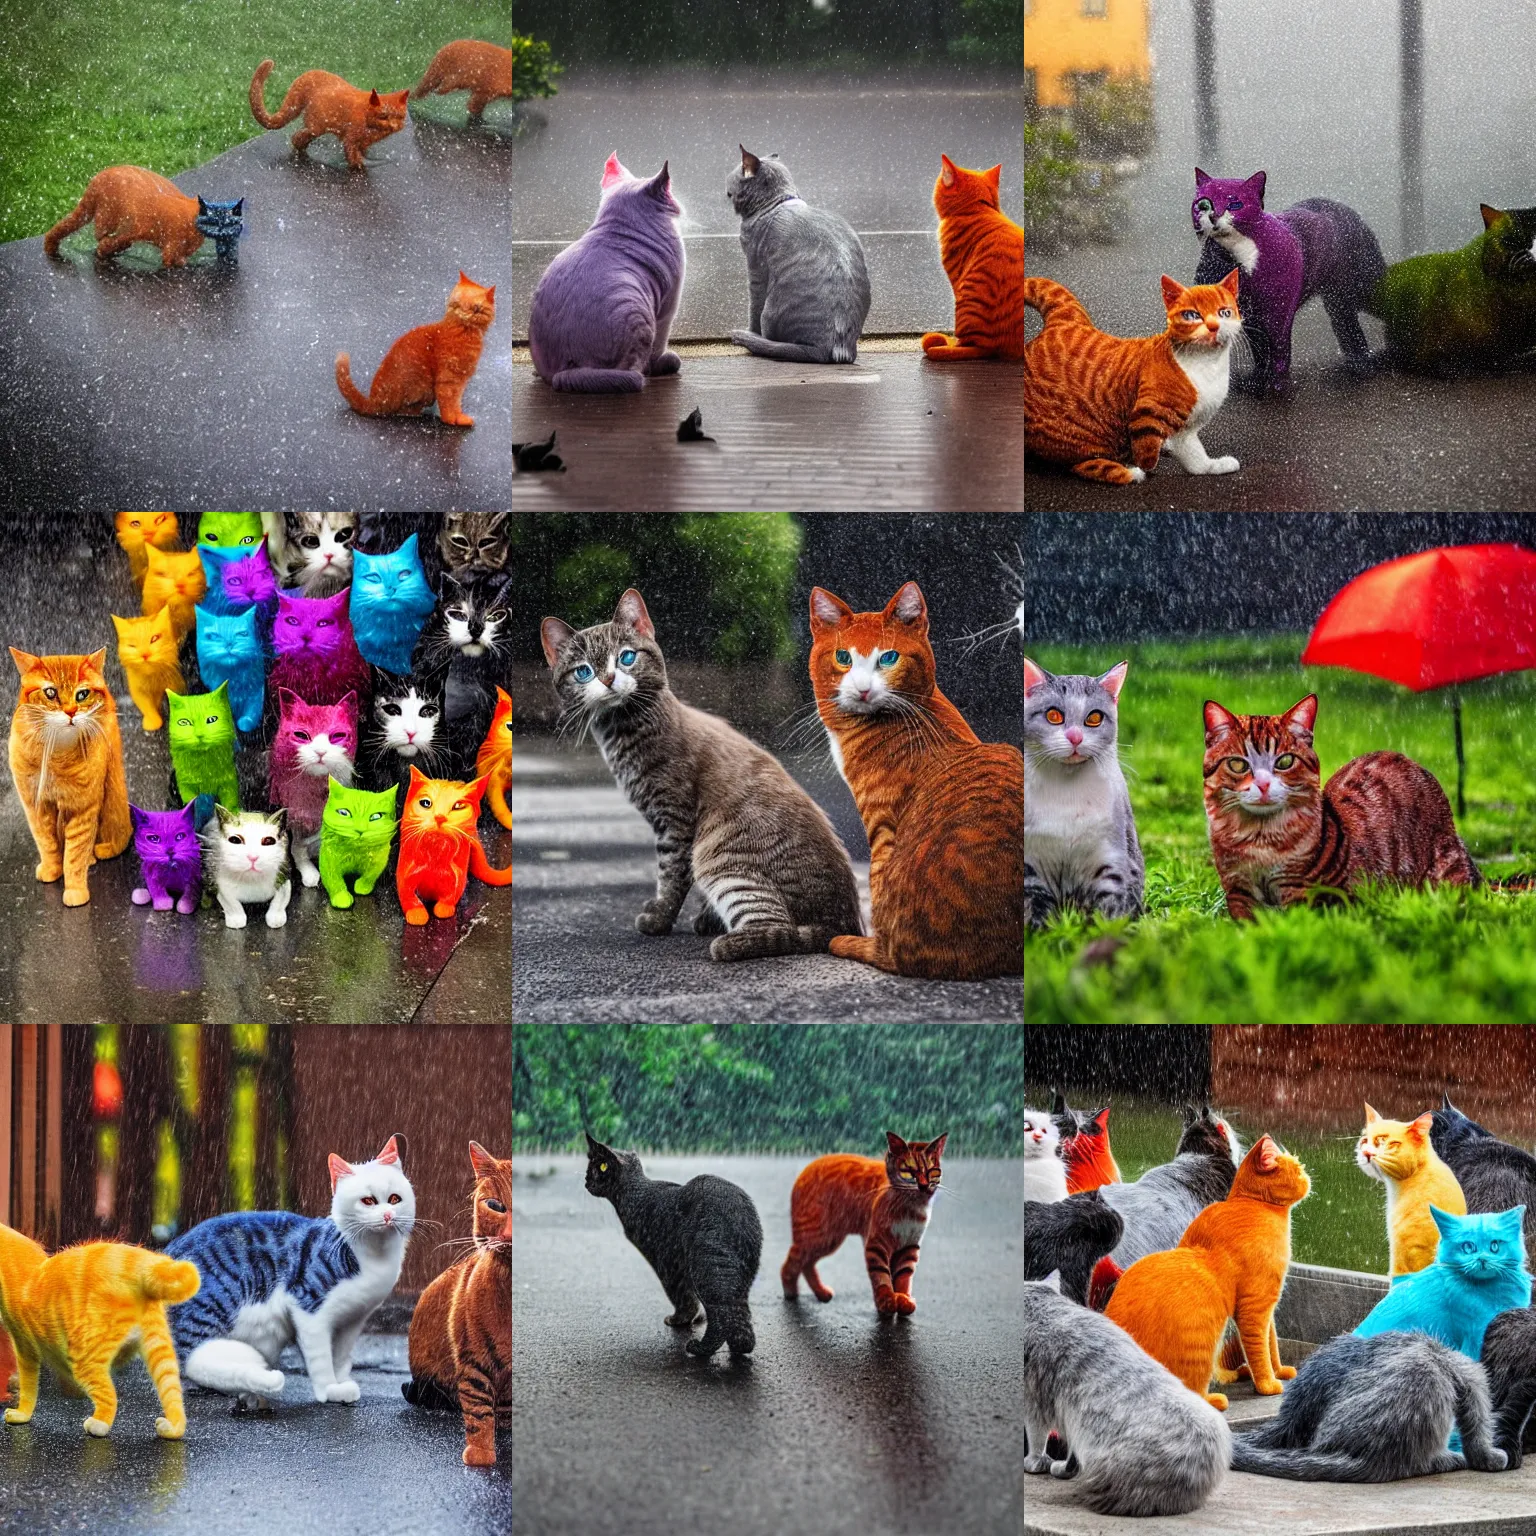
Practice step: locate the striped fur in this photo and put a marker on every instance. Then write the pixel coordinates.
(983, 254)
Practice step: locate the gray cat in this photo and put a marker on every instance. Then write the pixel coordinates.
(809, 290)
(1509, 1357)
(1080, 845)
(474, 544)
(1068, 1237)
(1374, 1411)
(726, 815)
(311, 550)
(1139, 1439)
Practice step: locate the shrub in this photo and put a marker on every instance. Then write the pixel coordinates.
(533, 69)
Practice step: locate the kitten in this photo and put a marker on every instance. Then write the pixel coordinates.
(1080, 843)
(390, 604)
(360, 119)
(1509, 1357)
(1492, 1174)
(405, 729)
(173, 578)
(440, 847)
(128, 203)
(482, 69)
(1275, 835)
(314, 744)
(316, 654)
(312, 550)
(983, 254)
(1068, 1238)
(137, 530)
(274, 1278)
(357, 829)
(703, 1239)
(230, 653)
(200, 732)
(230, 530)
(249, 582)
(170, 859)
(151, 662)
(727, 817)
(247, 854)
(468, 643)
(1400, 1154)
(1045, 1174)
(475, 545)
(493, 762)
(1138, 1442)
(805, 270)
(215, 558)
(604, 306)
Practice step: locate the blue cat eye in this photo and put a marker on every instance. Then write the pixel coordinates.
(1234, 204)
(1493, 1246)
(1204, 204)
(626, 658)
(888, 658)
(843, 659)
(583, 673)
(341, 810)
(1469, 1247)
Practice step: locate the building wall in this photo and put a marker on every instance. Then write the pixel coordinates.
(1062, 38)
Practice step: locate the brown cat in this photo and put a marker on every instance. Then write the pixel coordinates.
(128, 203)
(482, 69)
(330, 105)
(431, 363)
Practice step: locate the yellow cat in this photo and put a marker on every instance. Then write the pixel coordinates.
(147, 649)
(135, 530)
(85, 1310)
(1399, 1154)
(175, 577)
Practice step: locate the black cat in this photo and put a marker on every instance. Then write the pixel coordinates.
(1494, 1176)
(1509, 1357)
(1071, 1236)
(468, 641)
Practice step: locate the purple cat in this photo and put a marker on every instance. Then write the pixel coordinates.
(603, 308)
(249, 583)
(170, 856)
(314, 744)
(1316, 249)
(317, 656)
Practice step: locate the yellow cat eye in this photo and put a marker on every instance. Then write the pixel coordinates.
(1055, 716)
(1285, 760)
(1238, 764)
(602, 1167)
(1094, 717)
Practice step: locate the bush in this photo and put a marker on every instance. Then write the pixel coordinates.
(1067, 200)
(533, 69)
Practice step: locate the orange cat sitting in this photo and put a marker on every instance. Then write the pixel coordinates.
(431, 363)
(983, 254)
(440, 847)
(137, 530)
(482, 69)
(128, 203)
(330, 105)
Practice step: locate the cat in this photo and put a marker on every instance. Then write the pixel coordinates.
(246, 854)
(86, 1309)
(431, 364)
(201, 735)
(1068, 1238)
(137, 530)
(1045, 1173)
(151, 662)
(250, 583)
(230, 653)
(482, 69)
(128, 203)
(1475, 308)
(474, 545)
(603, 308)
(274, 1278)
(215, 557)
(1399, 1153)
(1086, 1152)
(404, 728)
(1492, 1174)
(461, 1331)
(1080, 843)
(1509, 1358)
(316, 653)
(468, 642)
(66, 756)
(360, 119)
(357, 829)
(983, 254)
(884, 1201)
(1092, 400)
(944, 811)
(1374, 1411)
(390, 604)
(727, 817)
(493, 762)
(173, 578)
(808, 286)
(1274, 836)
(314, 745)
(170, 859)
(312, 550)
(230, 530)
(1137, 1441)
(1316, 248)
(440, 848)
(703, 1239)
(1230, 1264)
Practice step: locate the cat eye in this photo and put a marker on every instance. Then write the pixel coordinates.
(497, 1206)
(310, 541)
(1285, 760)
(626, 658)
(250, 538)
(81, 695)
(425, 804)
(458, 613)
(496, 615)
(154, 837)
(1191, 314)
(429, 711)
(211, 720)
(370, 1200)
(583, 673)
(602, 1167)
(1094, 717)
(461, 805)
(326, 623)
(292, 619)
(1469, 1247)
(235, 837)
(1238, 764)
(390, 709)
(184, 722)
(344, 535)
(269, 842)
(301, 735)
(843, 659)
(1055, 717)
(889, 658)
(459, 539)
(341, 810)
(1204, 205)
(1234, 204)
(394, 1199)
(375, 816)
(53, 693)
(488, 543)
(1226, 314)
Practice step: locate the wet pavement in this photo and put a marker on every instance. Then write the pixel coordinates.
(839, 1423)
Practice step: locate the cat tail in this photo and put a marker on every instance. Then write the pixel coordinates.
(786, 351)
(1299, 1466)
(85, 211)
(285, 114)
(735, 1319)
(1057, 305)
(599, 381)
(1102, 1282)
(163, 1279)
(350, 392)
(482, 869)
(423, 1392)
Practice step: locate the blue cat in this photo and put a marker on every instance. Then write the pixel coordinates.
(391, 600)
(223, 224)
(230, 650)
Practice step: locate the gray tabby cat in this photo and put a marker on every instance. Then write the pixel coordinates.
(1139, 1439)
(1374, 1411)
(809, 290)
(774, 877)
(1080, 845)
(474, 544)
(311, 550)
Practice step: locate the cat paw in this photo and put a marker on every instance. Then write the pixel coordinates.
(416, 916)
(341, 1392)
(153, 722)
(235, 919)
(699, 1349)
(342, 900)
(48, 872)
(826, 1293)
(1137, 475)
(186, 906)
(1225, 465)
(1285, 1372)
(458, 419)
(1035, 1465)
(707, 922)
(480, 1455)
(1269, 1387)
(76, 896)
(886, 1305)
(310, 877)
(98, 1427)
(16, 1416)
(677, 1320)
(1217, 1400)
(163, 904)
(169, 1431)
(276, 919)
(139, 896)
(905, 1305)
(652, 923)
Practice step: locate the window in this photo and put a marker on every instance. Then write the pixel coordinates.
(1095, 7)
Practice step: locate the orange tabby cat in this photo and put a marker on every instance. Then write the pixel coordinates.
(137, 529)
(482, 69)
(147, 650)
(1400, 1154)
(493, 763)
(440, 847)
(432, 362)
(983, 254)
(129, 203)
(358, 118)
(175, 579)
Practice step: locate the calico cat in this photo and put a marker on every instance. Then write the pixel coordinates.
(274, 1278)
(170, 859)
(151, 662)
(1509, 1358)
(201, 736)
(230, 654)
(884, 1201)
(1316, 248)
(604, 306)
(807, 283)
(482, 69)
(230, 530)
(1374, 1411)
(474, 545)
(1080, 843)
(944, 811)
(360, 119)
(173, 578)
(390, 604)
(1045, 1174)
(316, 654)
(66, 759)
(137, 530)
(440, 848)
(312, 550)
(727, 817)
(983, 254)
(461, 1330)
(493, 762)
(128, 203)
(703, 1239)
(83, 1311)
(1399, 1153)
(430, 365)
(1092, 400)
(1137, 1441)
(1492, 1174)
(1085, 1152)
(1475, 308)
(1230, 1264)
(405, 729)
(314, 745)
(1276, 833)
(246, 854)
(1068, 1238)
(357, 829)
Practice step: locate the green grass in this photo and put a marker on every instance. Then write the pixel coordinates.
(163, 83)
(1431, 957)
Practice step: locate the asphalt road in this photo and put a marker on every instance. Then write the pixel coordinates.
(839, 1423)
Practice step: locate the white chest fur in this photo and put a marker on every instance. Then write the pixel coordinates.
(1241, 249)
(1209, 370)
(1070, 819)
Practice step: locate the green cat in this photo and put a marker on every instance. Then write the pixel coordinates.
(355, 836)
(1467, 309)
(229, 530)
(201, 730)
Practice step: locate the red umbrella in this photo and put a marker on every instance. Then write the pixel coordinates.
(1434, 620)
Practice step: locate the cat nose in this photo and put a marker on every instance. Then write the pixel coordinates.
(608, 680)
(1075, 736)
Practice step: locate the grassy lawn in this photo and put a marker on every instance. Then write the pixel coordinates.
(1428, 957)
(163, 83)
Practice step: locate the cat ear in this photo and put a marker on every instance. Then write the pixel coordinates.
(1302, 713)
(749, 161)
(613, 172)
(936, 1146)
(1265, 1155)
(340, 1168)
(481, 1161)
(1217, 720)
(286, 699)
(120, 625)
(373, 98)
(475, 788)
(827, 611)
(1257, 181)
(239, 206)
(1421, 1127)
(1113, 680)
(1444, 1221)
(135, 816)
(1034, 675)
(895, 1143)
(1491, 216)
(661, 183)
(202, 207)
(1231, 281)
(1172, 291)
(418, 778)
(995, 175)
(490, 294)
(553, 633)
(631, 611)
(1445, 1101)
(907, 606)
(1371, 1117)
(1200, 177)
(947, 175)
(391, 1152)
(97, 660)
(223, 813)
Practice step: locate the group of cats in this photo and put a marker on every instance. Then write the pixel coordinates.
(704, 1239)
(1278, 834)
(603, 309)
(942, 809)
(1106, 407)
(226, 1297)
(1131, 1287)
(431, 364)
(357, 679)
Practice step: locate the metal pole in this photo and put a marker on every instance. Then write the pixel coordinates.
(1461, 762)
(1411, 123)
(1207, 116)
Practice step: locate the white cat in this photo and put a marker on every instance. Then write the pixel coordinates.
(1045, 1174)
(245, 853)
(311, 550)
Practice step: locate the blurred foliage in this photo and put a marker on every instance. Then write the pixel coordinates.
(767, 1087)
(533, 69)
(1113, 115)
(1068, 199)
(994, 32)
